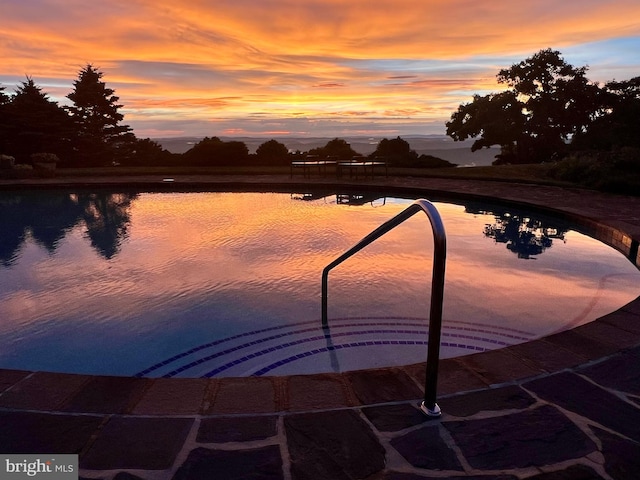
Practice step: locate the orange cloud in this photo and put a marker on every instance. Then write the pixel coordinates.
(285, 58)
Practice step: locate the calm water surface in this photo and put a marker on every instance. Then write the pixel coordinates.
(215, 284)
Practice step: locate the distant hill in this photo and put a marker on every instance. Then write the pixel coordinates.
(437, 145)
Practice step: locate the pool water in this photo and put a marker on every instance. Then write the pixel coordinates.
(228, 284)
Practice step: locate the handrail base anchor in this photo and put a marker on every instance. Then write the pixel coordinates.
(431, 412)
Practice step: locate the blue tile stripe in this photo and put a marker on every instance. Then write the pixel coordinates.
(216, 342)
(299, 356)
(461, 326)
(280, 346)
(273, 350)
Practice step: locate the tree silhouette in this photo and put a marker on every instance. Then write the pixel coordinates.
(497, 118)
(338, 148)
(95, 111)
(4, 120)
(547, 102)
(144, 152)
(4, 98)
(620, 126)
(273, 152)
(396, 152)
(213, 151)
(35, 124)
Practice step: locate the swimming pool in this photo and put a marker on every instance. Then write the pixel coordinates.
(228, 284)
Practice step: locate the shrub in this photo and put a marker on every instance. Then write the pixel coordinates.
(616, 171)
(6, 161)
(429, 161)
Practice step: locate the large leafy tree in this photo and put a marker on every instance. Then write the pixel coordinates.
(216, 152)
(396, 152)
(273, 152)
(338, 148)
(620, 125)
(95, 111)
(35, 124)
(546, 102)
(497, 119)
(145, 152)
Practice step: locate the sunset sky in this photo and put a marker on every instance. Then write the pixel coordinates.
(325, 68)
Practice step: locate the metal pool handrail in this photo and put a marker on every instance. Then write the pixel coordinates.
(429, 405)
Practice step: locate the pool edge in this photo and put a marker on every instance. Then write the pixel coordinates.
(601, 339)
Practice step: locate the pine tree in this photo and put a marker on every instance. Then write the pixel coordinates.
(95, 112)
(4, 120)
(35, 124)
(4, 98)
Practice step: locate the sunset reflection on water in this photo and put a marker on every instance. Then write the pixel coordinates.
(134, 279)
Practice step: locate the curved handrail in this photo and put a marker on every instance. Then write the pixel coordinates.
(429, 406)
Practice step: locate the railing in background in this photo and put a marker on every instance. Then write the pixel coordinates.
(429, 405)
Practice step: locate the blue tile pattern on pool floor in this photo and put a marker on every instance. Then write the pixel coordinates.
(280, 350)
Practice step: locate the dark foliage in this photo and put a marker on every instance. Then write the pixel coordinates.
(616, 171)
(4, 98)
(548, 101)
(4, 120)
(429, 161)
(525, 236)
(397, 153)
(215, 152)
(145, 152)
(272, 152)
(336, 148)
(620, 126)
(95, 112)
(34, 124)
(88, 133)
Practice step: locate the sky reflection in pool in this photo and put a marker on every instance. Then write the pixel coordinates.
(226, 284)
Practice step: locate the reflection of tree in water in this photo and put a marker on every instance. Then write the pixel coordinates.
(47, 218)
(523, 235)
(107, 219)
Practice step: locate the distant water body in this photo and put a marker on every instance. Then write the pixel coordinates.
(437, 145)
